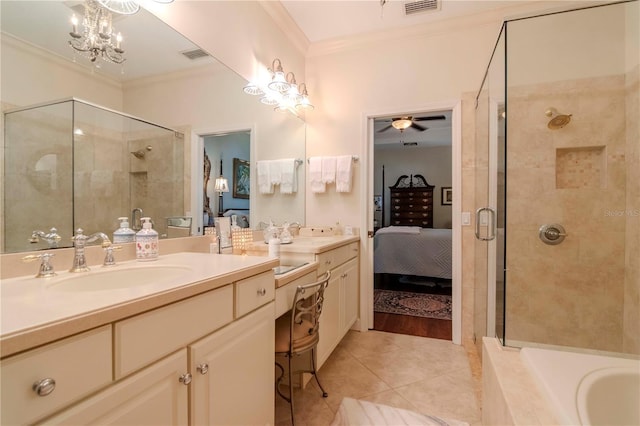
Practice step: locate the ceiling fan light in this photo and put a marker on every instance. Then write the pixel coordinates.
(401, 124)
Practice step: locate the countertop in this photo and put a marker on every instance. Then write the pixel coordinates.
(284, 279)
(34, 312)
(313, 245)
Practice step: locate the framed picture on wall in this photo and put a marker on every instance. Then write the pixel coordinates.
(377, 202)
(447, 196)
(241, 178)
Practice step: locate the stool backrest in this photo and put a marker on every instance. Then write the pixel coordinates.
(305, 314)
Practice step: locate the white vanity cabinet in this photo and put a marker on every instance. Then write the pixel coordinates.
(41, 381)
(204, 359)
(233, 372)
(153, 396)
(340, 309)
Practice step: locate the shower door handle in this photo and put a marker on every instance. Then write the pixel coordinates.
(492, 225)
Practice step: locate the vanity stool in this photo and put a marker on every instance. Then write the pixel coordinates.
(297, 333)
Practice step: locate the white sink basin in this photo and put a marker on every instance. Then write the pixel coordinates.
(118, 278)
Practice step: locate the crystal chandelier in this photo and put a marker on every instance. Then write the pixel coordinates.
(97, 40)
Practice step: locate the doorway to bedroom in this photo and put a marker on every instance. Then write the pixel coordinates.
(413, 223)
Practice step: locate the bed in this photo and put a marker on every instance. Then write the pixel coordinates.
(412, 250)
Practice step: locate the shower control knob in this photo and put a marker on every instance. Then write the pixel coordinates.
(552, 234)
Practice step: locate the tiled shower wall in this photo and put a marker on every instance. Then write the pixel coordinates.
(631, 325)
(574, 293)
(105, 176)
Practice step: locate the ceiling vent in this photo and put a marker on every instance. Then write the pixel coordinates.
(420, 6)
(195, 54)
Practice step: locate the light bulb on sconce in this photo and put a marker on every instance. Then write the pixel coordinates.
(282, 91)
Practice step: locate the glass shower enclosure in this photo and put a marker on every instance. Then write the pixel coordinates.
(558, 179)
(70, 164)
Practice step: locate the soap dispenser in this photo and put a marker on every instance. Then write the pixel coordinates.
(124, 234)
(146, 241)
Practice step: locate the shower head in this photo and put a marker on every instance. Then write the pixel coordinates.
(558, 121)
(141, 152)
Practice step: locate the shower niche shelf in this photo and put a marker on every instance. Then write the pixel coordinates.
(581, 167)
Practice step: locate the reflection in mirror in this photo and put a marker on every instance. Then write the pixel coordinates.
(86, 166)
(157, 82)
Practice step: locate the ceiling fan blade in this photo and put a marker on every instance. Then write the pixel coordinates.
(433, 117)
(384, 129)
(418, 127)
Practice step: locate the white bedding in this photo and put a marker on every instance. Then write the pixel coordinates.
(427, 253)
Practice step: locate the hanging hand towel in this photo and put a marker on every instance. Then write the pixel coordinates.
(264, 182)
(328, 169)
(315, 175)
(343, 173)
(275, 172)
(289, 183)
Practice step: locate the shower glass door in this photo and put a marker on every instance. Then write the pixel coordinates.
(489, 193)
(573, 173)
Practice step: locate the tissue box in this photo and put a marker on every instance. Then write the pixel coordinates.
(317, 231)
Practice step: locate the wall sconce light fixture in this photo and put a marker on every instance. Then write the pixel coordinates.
(282, 91)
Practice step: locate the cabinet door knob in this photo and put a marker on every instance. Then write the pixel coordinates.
(185, 379)
(203, 368)
(44, 387)
(262, 292)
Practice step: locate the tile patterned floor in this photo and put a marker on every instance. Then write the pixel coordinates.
(429, 376)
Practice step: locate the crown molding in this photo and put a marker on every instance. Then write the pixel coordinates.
(491, 17)
(61, 61)
(283, 20)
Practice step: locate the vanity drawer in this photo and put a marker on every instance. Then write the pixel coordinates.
(144, 338)
(79, 365)
(286, 293)
(253, 292)
(336, 257)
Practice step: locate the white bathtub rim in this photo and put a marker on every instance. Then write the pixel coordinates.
(559, 374)
(589, 380)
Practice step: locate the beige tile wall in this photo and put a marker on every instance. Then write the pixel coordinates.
(569, 294)
(631, 326)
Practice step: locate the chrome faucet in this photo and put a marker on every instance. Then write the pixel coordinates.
(134, 224)
(79, 242)
(52, 238)
(46, 268)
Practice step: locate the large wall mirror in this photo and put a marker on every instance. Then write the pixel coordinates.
(166, 85)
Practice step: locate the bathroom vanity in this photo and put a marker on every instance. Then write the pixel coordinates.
(195, 347)
(341, 255)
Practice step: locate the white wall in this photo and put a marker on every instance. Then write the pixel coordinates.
(30, 76)
(240, 34)
(437, 66)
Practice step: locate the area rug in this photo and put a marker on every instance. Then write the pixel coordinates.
(414, 304)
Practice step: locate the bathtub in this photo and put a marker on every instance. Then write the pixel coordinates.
(586, 389)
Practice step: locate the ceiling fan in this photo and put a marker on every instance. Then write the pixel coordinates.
(402, 123)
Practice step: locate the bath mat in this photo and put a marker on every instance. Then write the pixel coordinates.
(414, 304)
(352, 412)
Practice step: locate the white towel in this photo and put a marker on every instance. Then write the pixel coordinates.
(289, 183)
(343, 173)
(264, 182)
(328, 169)
(275, 172)
(315, 175)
